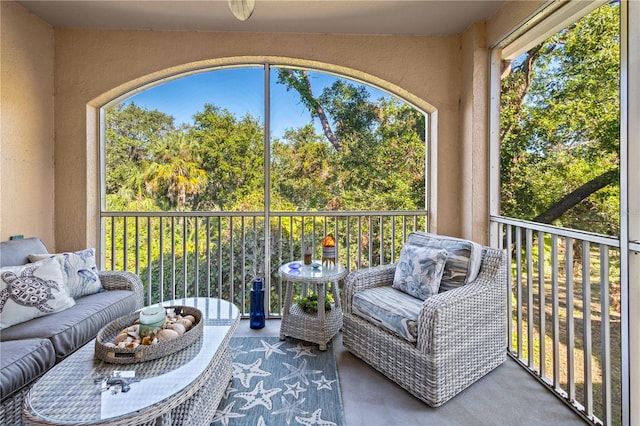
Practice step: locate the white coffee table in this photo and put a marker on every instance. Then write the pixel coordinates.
(183, 388)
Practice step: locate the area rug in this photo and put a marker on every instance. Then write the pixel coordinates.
(281, 383)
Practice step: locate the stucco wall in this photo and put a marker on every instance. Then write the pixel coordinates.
(510, 15)
(443, 74)
(474, 135)
(26, 125)
(93, 67)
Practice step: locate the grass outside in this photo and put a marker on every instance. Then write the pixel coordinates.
(593, 325)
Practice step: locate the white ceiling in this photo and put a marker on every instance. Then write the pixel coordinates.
(416, 17)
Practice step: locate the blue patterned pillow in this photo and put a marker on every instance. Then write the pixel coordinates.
(419, 271)
(80, 271)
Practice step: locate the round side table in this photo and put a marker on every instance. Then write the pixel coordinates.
(319, 327)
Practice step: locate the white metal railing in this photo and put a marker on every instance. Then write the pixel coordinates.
(216, 254)
(564, 303)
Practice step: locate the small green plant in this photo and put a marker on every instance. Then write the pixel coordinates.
(309, 304)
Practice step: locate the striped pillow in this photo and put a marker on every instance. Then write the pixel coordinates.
(463, 259)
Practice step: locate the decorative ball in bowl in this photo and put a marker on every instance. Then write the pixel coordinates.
(120, 341)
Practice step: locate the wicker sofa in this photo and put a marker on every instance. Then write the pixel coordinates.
(30, 348)
(460, 333)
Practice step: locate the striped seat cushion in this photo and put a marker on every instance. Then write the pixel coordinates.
(390, 309)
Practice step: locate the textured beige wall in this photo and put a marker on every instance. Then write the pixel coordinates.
(26, 125)
(474, 135)
(93, 67)
(442, 74)
(510, 15)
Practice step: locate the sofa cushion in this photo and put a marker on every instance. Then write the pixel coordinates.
(16, 252)
(23, 361)
(32, 290)
(463, 259)
(419, 271)
(72, 328)
(80, 271)
(390, 309)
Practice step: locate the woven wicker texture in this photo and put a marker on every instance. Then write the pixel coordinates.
(461, 333)
(184, 388)
(11, 407)
(144, 352)
(319, 327)
(121, 280)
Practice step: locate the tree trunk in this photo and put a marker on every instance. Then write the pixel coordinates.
(558, 208)
(326, 128)
(299, 81)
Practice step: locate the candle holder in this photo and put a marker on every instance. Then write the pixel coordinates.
(329, 251)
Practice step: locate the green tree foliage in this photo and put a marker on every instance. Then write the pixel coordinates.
(374, 158)
(132, 133)
(370, 156)
(175, 175)
(232, 154)
(560, 127)
(301, 169)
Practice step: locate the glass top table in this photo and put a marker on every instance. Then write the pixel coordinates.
(319, 327)
(75, 392)
(298, 272)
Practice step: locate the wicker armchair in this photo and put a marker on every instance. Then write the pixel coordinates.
(461, 333)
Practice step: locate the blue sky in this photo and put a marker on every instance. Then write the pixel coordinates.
(241, 91)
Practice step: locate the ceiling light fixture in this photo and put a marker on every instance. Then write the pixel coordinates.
(242, 9)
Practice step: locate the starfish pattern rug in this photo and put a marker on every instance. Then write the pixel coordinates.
(281, 383)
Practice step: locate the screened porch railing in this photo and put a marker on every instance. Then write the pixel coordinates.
(563, 289)
(564, 304)
(217, 254)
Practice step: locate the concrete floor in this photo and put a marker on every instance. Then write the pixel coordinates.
(506, 396)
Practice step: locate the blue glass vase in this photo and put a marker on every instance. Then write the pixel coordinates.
(256, 314)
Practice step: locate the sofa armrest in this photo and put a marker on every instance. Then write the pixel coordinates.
(470, 318)
(366, 278)
(122, 280)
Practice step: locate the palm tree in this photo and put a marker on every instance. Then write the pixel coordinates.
(176, 174)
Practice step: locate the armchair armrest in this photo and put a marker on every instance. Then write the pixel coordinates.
(122, 280)
(366, 278)
(469, 318)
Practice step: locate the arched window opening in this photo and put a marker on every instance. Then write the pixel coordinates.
(219, 176)
(196, 144)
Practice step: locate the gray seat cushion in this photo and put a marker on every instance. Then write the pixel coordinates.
(73, 327)
(16, 252)
(390, 309)
(23, 361)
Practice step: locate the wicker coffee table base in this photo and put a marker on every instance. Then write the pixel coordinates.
(195, 404)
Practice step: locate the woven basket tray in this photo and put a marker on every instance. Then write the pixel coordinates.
(145, 352)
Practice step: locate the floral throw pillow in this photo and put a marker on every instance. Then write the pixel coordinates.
(80, 271)
(32, 290)
(419, 271)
